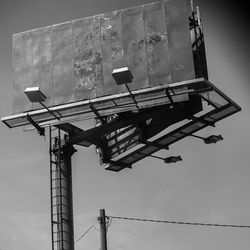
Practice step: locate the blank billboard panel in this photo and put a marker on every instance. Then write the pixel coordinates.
(73, 61)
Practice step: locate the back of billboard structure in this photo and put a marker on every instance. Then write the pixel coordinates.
(73, 61)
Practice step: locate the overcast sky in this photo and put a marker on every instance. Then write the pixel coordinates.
(211, 184)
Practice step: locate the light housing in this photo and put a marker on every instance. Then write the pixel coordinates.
(173, 159)
(34, 94)
(122, 75)
(213, 139)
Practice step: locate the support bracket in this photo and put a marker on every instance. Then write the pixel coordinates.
(97, 113)
(203, 120)
(170, 97)
(39, 129)
(155, 144)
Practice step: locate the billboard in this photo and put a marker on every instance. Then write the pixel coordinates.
(73, 61)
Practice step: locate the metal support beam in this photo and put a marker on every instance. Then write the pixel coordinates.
(97, 113)
(192, 135)
(203, 120)
(170, 97)
(132, 96)
(120, 122)
(207, 100)
(157, 157)
(39, 129)
(51, 112)
(155, 144)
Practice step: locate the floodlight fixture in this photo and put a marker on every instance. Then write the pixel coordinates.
(172, 159)
(210, 139)
(213, 139)
(35, 95)
(167, 160)
(122, 75)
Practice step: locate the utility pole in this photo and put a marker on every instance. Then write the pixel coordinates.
(103, 227)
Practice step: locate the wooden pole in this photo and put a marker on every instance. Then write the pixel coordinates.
(103, 228)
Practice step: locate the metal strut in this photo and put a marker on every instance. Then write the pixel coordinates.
(62, 231)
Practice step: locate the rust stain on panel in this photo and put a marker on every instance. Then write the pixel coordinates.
(42, 53)
(22, 71)
(157, 44)
(181, 58)
(112, 50)
(84, 59)
(135, 46)
(62, 59)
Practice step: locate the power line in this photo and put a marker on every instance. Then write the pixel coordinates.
(85, 233)
(182, 222)
(109, 222)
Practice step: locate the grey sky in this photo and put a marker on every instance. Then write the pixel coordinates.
(210, 185)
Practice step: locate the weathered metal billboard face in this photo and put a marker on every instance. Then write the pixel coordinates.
(74, 61)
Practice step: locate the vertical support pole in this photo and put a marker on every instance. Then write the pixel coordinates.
(51, 187)
(103, 227)
(61, 193)
(66, 200)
